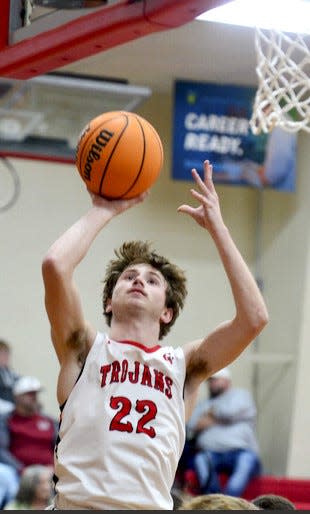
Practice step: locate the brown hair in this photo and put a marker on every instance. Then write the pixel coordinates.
(217, 502)
(138, 252)
(273, 502)
(4, 345)
(29, 482)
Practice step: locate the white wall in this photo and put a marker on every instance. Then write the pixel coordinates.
(299, 445)
(53, 196)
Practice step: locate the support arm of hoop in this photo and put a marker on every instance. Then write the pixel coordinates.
(92, 33)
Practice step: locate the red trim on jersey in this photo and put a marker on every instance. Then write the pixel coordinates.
(140, 345)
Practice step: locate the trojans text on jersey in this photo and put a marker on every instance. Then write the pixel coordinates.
(119, 371)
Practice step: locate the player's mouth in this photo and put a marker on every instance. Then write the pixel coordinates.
(137, 290)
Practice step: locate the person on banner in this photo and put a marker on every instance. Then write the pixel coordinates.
(279, 168)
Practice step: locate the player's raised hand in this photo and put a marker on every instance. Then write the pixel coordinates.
(116, 206)
(208, 213)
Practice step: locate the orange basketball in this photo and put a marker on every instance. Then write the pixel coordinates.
(119, 155)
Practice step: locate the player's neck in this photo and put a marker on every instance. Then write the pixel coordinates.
(141, 332)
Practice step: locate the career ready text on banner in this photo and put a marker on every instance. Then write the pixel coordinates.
(211, 121)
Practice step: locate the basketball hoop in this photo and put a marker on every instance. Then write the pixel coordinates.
(283, 70)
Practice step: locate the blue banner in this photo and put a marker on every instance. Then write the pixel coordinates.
(211, 121)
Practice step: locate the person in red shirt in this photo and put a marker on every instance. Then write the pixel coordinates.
(27, 436)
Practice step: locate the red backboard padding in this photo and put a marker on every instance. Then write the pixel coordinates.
(92, 33)
(4, 23)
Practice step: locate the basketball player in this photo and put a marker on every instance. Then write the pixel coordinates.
(124, 398)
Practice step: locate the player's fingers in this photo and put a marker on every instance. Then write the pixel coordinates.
(186, 209)
(202, 198)
(137, 199)
(208, 174)
(200, 183)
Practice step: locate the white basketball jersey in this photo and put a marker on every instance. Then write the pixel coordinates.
(122, 429)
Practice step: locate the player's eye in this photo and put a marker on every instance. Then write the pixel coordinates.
(153, 280)
(129, 276)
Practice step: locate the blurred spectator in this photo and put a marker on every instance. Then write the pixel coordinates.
(8, 484)
(217, 502)
(8, 378)
(27, 436)
(273, 502)
(223, 427)
(35, 489)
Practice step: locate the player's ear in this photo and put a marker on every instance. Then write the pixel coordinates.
(108, 306)
(166, 315)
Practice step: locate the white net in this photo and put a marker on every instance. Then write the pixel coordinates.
(283, 93)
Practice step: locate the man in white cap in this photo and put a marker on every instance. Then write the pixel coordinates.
(225, 439)
(27, 436)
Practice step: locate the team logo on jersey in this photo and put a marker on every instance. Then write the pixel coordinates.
(168, 357)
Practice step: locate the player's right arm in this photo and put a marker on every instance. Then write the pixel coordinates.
(72, 336)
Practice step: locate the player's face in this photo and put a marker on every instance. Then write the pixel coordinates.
(140, 288)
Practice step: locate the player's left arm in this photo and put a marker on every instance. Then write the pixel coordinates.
(225, 343)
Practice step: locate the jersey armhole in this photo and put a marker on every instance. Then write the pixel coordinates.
(62, 406)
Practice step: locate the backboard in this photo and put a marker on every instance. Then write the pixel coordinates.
(42, 117)
(35, 39)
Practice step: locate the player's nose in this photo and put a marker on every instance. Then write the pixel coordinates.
(139, 280)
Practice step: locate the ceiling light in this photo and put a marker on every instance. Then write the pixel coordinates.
(288, 16)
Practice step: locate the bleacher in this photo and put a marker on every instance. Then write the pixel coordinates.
(297, 490)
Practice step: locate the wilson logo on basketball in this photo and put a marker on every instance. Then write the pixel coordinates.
(95, 150)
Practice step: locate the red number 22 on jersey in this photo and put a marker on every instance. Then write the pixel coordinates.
(145, 407)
